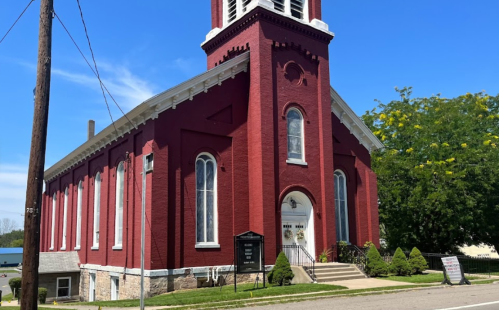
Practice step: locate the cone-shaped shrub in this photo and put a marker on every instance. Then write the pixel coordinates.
(417, 262)
(376, 266)
(281, 274)
(399, 264)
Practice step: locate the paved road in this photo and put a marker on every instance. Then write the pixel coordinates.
(4, 282)
(475, 297)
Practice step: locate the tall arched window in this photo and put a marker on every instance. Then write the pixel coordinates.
(97, 183)
(79, 203)
(120, 188)
(296, 148)
(65, 219)
(206, 201)
(340, 199)
(52, 230)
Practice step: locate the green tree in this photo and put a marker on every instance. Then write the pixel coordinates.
(399, 264)
(281, 274)
(17, 243)
(417, 262)
(7, 238)
(438, 176)
(375, 266)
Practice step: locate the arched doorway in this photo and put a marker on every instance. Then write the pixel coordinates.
(297, 222)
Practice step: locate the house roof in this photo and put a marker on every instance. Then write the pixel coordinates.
(59, 262)
(11, 250)
(356, 126)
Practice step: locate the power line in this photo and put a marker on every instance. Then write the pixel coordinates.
(31, 1)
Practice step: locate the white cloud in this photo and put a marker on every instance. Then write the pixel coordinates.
(128, 89)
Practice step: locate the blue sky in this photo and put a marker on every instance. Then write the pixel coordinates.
(144, 47)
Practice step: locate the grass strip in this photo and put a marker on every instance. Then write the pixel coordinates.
(7, 297)
(421, 278)
(211, 295)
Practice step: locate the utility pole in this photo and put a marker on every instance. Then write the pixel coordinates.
(29, 288)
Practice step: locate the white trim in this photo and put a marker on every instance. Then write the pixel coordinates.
(118, 210)
(149, 110)
(79, 207)
(345, 194)
(94, 248)
(356, 126)
(215, 202)
(115, 289)
(207, 246)
(54, 205)
(65, 219)
(304, 210)
(77, 248)
(91, 289)
(294, 161)
(97, 197)
(57, 287)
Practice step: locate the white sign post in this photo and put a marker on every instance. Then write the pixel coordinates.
(453, 271)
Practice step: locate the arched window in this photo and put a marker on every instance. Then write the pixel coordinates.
(97, 183)
(296, 149)
(340, 199)
(79, 203)
(120, 188)
(206, 201)
(52, 230)
(65, 219)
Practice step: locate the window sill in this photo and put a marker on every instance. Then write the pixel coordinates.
(63, 249)
(77, 248)
(207, 246)
(117, 247)
(94, 248)
(51, 249)
(296, 162)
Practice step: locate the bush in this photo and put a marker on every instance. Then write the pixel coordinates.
(399, 264)
(344, 255)
(281, 274)
(417, 262)
(42, 295)
(376, 266)
(15, 285)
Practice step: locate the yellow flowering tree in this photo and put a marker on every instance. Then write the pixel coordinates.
(438, 176)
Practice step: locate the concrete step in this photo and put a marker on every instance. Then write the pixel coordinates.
(330, 265)
(341, 278)
(337, 274)
(330, 270)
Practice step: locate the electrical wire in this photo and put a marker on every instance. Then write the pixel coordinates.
(31, 1)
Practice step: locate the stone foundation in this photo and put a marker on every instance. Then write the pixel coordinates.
(156, 282)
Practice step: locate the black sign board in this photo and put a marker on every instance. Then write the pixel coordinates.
(249, 255)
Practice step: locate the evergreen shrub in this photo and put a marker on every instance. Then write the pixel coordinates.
(399, 264)
(42, 295)
(15, 285)
(417, 262)
(281, 274)
(375, 266)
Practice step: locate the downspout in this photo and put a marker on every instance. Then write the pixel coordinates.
(128, 161)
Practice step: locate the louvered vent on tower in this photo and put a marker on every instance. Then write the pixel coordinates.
(245, 4)
(297, 8)
(232, 10)
(279, 5)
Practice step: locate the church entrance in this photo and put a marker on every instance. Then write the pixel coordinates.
(297, 224)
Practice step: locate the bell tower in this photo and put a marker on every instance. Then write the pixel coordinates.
(287, 44)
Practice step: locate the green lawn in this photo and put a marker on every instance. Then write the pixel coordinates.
(8, 271)
(7, 297)
(420, 278)
(209, 295)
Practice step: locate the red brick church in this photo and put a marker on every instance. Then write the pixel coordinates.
(260, 142)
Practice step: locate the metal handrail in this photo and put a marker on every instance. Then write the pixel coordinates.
(298, 256)
(354, 255)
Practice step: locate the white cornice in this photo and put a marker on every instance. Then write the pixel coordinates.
(148, 110)
(269, 5)
(356, 126)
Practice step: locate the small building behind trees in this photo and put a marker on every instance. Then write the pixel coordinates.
(11, 257)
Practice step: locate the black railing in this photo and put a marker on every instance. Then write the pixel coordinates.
(471, 265)
(351, 254)
(298, 256)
